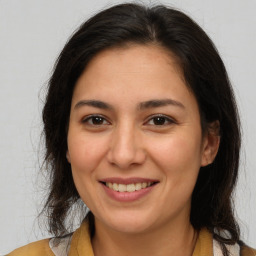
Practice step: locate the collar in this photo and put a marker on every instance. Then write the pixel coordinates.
(81, 241)
(205, 245)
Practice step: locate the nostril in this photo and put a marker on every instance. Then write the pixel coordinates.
(125, 159)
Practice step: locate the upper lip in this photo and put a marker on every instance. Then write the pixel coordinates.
(126, 181)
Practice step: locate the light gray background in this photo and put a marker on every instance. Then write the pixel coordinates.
(32, 32)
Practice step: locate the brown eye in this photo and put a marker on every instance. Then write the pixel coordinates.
(95, 120)
(160, 120)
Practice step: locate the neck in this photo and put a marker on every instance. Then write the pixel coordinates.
(169, 240)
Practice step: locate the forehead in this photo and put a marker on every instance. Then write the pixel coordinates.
(137, 72)
(135, 57)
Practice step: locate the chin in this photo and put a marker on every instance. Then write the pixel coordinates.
(129, 223)
(130, 227)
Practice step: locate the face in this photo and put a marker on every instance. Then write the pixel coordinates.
(135, 143)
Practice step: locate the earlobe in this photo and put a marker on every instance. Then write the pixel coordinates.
(211, 143)
(68, 156)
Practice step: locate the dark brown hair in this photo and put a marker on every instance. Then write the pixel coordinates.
(205, 75)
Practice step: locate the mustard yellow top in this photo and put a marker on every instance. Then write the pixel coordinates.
(81, 245)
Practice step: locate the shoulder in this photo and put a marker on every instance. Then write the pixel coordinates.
(207, 245)
(39, 248)
(77, 243)
(247, 251)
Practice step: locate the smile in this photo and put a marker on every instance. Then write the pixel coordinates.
(128, 187)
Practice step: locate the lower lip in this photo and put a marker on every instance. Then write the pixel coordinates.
(127, 196)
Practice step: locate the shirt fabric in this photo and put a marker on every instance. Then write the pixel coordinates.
(79, 244)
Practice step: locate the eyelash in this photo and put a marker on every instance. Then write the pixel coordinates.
(90, 117)
(164, 117)
(89, 120)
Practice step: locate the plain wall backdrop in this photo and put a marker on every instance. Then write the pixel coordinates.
(32, 33)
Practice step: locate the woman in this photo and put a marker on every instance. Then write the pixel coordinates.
(141, 125)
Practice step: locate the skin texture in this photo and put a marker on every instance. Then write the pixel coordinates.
(126, 142)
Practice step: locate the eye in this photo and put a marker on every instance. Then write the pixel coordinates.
(95, 120)
(160, 120)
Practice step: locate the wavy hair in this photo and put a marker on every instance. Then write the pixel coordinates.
(205, 75)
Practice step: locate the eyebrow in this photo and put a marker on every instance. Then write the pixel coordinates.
(155, 103)
(93, 103)
(159, 103)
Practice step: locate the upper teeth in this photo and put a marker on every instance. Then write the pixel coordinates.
(129, 187)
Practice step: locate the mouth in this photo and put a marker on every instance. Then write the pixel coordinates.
(128, 189)
(132, 187)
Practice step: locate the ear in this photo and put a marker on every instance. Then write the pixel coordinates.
(68, 156)
(211, 142)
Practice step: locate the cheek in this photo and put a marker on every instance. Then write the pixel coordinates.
(179, 161)
(179, 157)
(85, 153)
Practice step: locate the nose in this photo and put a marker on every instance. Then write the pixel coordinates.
(126, 148)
